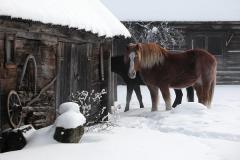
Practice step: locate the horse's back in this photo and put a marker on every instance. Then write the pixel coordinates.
(203, 54)
(206, 64)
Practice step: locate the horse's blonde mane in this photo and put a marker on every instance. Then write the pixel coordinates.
(151, 54)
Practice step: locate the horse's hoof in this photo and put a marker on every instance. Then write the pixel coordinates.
(141, 106)
(168, 109)
(126, 110)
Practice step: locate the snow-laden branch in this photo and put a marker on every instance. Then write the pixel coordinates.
(161, 33)
(90, 105)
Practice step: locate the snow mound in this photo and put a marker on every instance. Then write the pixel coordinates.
(190, 108)
(70, 119)
(69, 106)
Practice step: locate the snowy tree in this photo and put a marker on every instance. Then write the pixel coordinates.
(163, 34)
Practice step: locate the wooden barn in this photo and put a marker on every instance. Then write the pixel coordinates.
(48, 52)
(202, 23)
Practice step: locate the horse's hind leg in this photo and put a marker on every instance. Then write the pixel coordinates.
(178, 99)
(202, 93)
(129, 95)
(154, 95)
(166, 96)
(208, 92)
(190, 94)
(199, 92)
(211, 92)
(139, 95)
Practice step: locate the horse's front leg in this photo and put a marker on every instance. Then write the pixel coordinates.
(129, 95)
(139, 95)
(178, 99)
(154, 95)
(166, 96)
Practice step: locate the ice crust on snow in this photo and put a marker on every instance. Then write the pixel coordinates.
(90, 15)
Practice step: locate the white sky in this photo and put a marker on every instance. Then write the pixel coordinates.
(175, 10)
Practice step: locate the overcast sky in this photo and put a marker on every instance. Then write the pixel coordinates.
(175, 10)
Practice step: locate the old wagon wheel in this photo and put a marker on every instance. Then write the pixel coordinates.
(14, 109)
(28, 80)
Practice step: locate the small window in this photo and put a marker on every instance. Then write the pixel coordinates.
(211, 43)
(215, 45)
(199, 42)
(9, 50)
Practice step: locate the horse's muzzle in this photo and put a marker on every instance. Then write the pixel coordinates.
(132, 75)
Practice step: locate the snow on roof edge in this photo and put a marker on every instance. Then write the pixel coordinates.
(89, 15)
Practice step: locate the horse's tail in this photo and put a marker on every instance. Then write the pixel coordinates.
(211, 90)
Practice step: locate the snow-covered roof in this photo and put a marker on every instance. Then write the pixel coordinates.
(175, 10)
(90, 15)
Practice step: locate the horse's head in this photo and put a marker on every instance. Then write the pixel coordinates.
(133, 56)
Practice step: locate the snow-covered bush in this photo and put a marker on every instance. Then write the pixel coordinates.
(112, 122)
(161, 33)
(90, 105)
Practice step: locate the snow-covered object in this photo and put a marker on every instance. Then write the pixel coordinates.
(190, 107)
(90, 15)
(70, 119)
(69, 106)
(175, 10)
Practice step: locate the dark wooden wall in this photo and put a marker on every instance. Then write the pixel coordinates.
(45, 55)
(229, 61)
(70, 55)
(79, 68)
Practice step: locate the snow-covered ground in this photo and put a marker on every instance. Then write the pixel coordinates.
(189, 132)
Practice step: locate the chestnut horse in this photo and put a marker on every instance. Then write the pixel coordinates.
(161, 69)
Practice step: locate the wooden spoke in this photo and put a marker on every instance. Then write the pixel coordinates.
(14, 109)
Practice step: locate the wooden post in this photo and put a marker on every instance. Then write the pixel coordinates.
(1, 139)
(59, 59)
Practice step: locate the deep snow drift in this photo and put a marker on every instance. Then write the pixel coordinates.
(188, 132)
